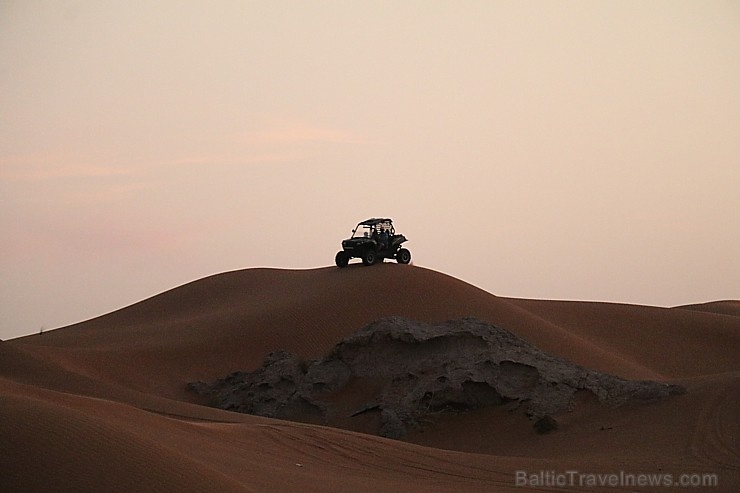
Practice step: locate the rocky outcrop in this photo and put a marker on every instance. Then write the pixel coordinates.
(456, 366)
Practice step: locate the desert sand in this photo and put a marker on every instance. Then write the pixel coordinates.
(103, 405)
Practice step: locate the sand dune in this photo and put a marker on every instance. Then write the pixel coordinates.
(673, 343)
(727, 307)
(102, 405)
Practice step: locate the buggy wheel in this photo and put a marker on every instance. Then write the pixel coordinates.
(403, 256)
(369, 257)
(342, 259)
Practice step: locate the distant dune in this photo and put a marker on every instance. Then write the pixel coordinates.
(727, 307)
(103, 405)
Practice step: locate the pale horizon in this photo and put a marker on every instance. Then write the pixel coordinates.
(571, 151)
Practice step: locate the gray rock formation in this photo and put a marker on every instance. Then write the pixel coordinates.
(456, 366)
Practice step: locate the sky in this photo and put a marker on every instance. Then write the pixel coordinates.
(573, 150)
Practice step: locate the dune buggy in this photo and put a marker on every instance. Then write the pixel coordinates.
(373, 241)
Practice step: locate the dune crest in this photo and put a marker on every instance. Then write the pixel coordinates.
(725, 307)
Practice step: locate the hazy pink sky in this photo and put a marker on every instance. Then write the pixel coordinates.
(561, 150)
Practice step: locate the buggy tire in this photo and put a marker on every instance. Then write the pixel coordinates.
(403, 256)
(342, 259)
(369, 257)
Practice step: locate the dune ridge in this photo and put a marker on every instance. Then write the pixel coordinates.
(103, 404)
(722, 307)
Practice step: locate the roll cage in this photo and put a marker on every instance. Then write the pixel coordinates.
(371, 227)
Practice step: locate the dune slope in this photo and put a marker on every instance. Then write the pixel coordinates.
(103, 406)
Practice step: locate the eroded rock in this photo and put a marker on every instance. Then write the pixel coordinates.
(456, 366)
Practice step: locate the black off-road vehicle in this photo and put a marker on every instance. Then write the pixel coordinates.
(372, 241)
